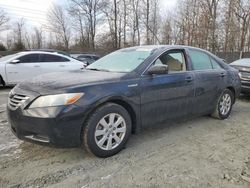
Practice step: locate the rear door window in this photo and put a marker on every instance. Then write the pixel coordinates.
(52, 58)
(200, 60)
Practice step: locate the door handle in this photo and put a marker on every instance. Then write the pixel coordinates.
(189, 79)
(13, 72)
(223, 74)
(36, 66)
(62, 65)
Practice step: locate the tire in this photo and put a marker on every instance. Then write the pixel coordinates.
(224, 105)
(2, 81)
(107, 130)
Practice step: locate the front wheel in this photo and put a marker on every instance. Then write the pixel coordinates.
(224, 105)
(107, 130)
(2, 81)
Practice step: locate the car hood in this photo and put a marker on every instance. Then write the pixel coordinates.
(241, 64)
(241, 67)
(59, 82)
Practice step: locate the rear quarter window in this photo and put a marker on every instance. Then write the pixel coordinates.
(215, 64)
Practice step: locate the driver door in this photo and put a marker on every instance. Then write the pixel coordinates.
(167, 96)
(27, 67)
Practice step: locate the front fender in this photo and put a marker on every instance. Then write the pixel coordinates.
(119, 92)
(133, 108)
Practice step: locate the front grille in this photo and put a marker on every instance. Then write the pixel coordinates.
(17, 100)
(245, 75)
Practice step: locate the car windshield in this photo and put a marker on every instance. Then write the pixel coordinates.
(7, 57)
(242, 62)
(125, 60)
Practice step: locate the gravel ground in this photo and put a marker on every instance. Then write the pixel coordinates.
(203, 152)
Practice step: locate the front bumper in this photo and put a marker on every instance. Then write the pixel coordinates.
(245, 86)
(58, 126)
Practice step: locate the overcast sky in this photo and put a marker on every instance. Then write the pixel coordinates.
(35, 11)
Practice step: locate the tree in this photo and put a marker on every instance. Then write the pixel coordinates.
(59, 24)
(229, 26)
(18, 34)
(166, 31)
(147, 22)
(136, 22)
(9, 41)
(79, 25)
(91, 10)
(125, 15)
(4, 19)
(212, 7)
(242, 12)
(37, 38)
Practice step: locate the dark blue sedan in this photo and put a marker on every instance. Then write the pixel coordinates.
(121, 93)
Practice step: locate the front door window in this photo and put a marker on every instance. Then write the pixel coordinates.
(174, 60)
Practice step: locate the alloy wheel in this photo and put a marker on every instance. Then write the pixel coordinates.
(110, 131)
(225, 104)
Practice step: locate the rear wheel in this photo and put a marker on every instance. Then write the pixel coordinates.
(107, 130)
(224, 105)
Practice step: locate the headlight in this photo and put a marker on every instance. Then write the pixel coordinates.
(240, 75)
(56, 100)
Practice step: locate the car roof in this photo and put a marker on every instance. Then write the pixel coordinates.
(51, 50)
(155, 47)
(166, 47)
(41, 52)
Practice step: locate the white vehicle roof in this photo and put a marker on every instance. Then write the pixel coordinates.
(40, 52)
(14, 56)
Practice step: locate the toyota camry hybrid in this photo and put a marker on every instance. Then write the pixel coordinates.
(119, 94)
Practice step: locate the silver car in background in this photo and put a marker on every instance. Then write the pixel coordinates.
(86, 58)
(243, 65)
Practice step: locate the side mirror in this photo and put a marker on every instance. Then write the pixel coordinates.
(15, 61)
(85, 62)
(158, 69)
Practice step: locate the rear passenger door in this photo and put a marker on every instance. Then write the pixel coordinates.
(209, 81)
(54, 63)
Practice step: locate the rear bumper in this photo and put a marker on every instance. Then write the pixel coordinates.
(57, 126)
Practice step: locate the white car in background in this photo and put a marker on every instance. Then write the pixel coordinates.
(22, 66)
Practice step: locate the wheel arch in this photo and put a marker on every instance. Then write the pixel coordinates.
(231, 88)
(2, 80)
(129, 109)
(116, 100)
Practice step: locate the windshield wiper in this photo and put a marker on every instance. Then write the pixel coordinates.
(95, 69)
